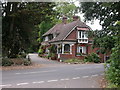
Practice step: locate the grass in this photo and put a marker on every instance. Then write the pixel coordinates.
(74, 61)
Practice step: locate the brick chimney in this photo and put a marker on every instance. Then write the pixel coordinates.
(75, 18)
(64, 19)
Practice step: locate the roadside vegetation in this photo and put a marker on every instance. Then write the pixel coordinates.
(24, 23)
(20, 60)
(107, 39)
(74, 61)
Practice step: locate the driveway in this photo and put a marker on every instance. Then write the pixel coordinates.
(59, 75)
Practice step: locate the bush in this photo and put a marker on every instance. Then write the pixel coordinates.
(6, 62)
(92, 58)
(21, 55)
(113, 73)
(27, 62)
(40, 51)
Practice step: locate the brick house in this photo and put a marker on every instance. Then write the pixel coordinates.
(71, 39)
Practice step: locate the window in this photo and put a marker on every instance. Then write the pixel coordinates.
(82, 37)
(50, 37)
(81, 49)
(46, 38)
(67, 48)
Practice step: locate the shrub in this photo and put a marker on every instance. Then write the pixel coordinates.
(27, 62)
(6, 62)
(113, 73)
(40, 51)
(52, 55)
(92, 58)
(21, 55)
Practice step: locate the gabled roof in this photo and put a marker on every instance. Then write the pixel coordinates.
(64, 29)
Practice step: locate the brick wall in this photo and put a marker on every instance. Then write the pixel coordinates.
(72, 35)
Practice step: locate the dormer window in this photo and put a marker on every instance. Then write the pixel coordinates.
(46, 38)
(82, 36)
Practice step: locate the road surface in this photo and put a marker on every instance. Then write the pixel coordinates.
(55, 75)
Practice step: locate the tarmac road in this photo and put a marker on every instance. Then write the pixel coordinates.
(55, 75)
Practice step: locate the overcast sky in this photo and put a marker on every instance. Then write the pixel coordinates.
(94, 26)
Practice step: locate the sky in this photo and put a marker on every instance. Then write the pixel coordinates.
(95, 24)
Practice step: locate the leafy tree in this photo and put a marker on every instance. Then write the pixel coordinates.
(66, 9)
(19, 20)
(113, 72)
(43, 27)
(109, 38)
(108, 13)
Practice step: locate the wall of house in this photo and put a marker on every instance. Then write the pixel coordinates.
(73, 55)
(74, 52)
(72, 35)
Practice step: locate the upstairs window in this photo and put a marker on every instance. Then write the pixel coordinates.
(46, 38)
(82, 35)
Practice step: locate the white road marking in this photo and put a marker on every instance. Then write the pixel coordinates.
(39, 82)
(5, 85)
(52, 80)
(22, 84)
(94, 75)
(64, 79)
(36, 72)
(76, 78)
(85, 76)
(65, 86)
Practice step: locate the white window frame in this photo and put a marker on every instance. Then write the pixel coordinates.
(84, 49)
(46, 38)
(83, 39)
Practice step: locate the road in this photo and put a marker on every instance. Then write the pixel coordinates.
(55, 75)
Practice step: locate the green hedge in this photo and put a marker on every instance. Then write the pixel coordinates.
(113, 71)
(92, 58)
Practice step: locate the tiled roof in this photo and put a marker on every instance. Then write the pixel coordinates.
(64, 29)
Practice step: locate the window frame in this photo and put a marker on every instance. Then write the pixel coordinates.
(83, 48)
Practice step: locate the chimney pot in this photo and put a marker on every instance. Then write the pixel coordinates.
(64, 19)
(75, 18)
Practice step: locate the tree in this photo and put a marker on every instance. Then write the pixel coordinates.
(113, 72)
(43, 27)
(108, 13)
(66, 9)
(109, 37)
(19, 20)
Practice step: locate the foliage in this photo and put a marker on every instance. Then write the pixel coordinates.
(93, 57)
(43, 27)
(73, 60)
(113, 73)
(21, 55)
(27, 62)
(6, 62)
(16, 61)
(66, 9)
(19, 25)
(107, 12)
(52, 55)
(52, 49)
(40, 51)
